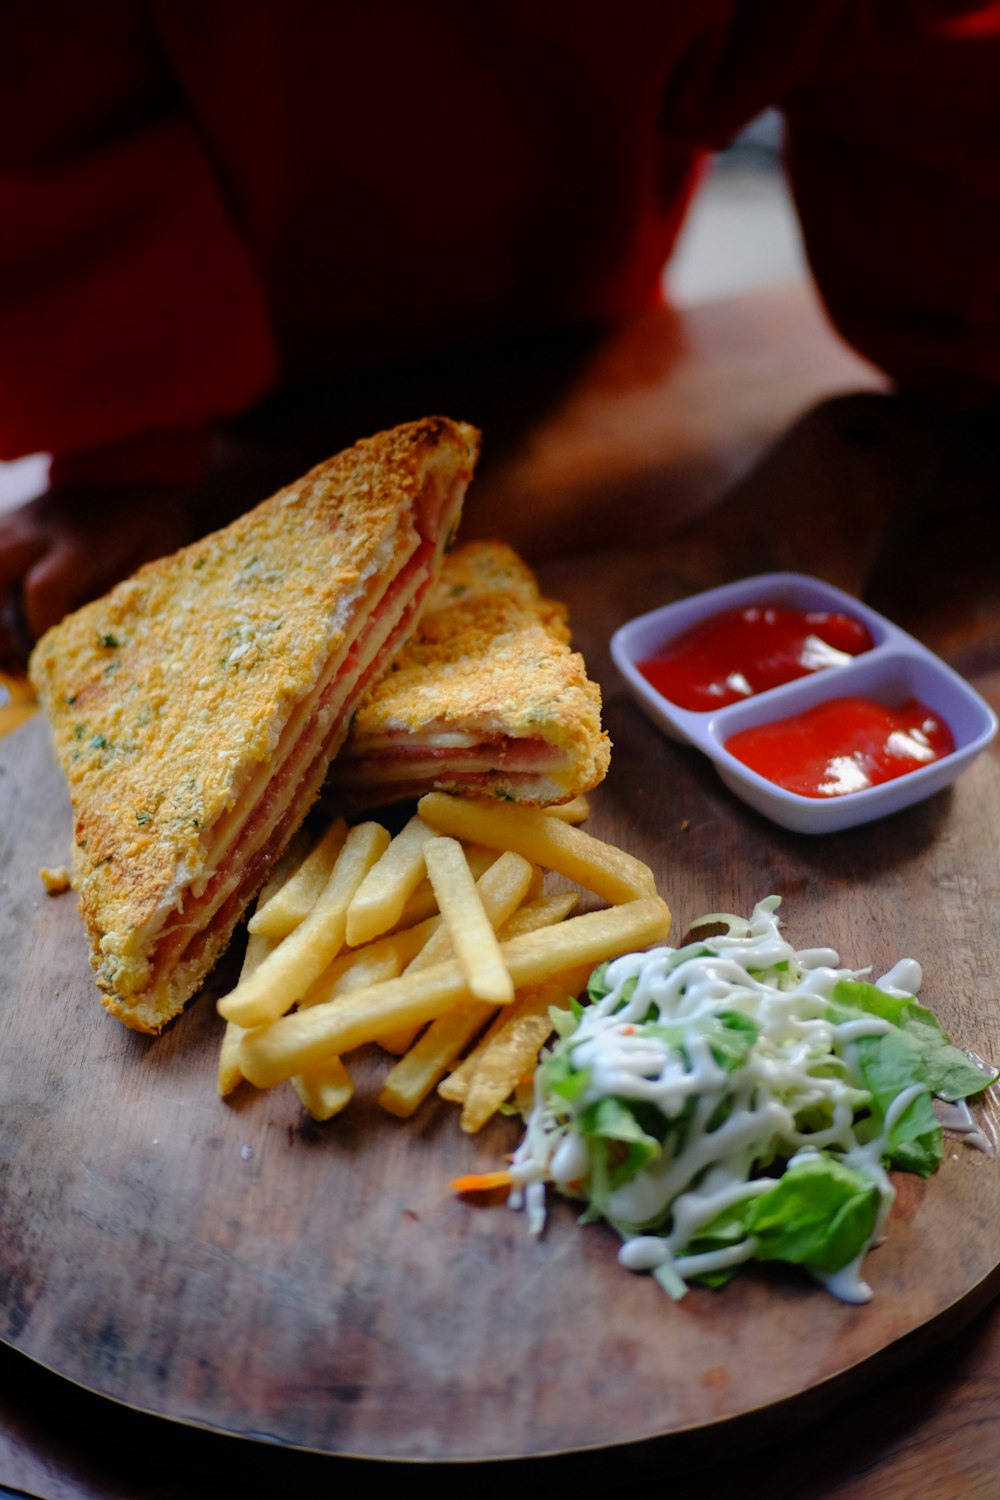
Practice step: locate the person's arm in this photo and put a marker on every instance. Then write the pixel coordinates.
(894, 159)
(131, 315)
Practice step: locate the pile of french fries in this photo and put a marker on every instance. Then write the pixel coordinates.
(440, 943)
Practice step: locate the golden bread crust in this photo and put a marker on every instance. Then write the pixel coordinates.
(491, 656)
(167, 694)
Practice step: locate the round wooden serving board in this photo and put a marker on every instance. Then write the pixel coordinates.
(235, 1266)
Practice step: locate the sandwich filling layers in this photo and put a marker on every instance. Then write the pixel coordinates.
(486, 698)
(195, 708)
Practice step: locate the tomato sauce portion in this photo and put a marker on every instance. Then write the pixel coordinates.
(747, 650)
(844, 746)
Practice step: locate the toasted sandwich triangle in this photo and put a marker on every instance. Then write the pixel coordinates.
(486, 698)
(196, 707)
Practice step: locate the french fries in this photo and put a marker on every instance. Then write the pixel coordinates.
(285, 975)
(412, 1079)
(280, 911)
(545, 840)
(577, 810)
(508, 1050)
(325, 1090)
(432, 943)
(379, 900)
(270, 1054)
(468, 925)
(228, 1073)
(385, 958)
(501, 887)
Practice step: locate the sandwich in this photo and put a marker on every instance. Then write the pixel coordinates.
(196, 707)
(485, 699)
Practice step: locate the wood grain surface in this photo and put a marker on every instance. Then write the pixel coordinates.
(234, 1266)
(159, 1246)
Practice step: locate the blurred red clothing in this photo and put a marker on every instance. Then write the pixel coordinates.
(200, 201)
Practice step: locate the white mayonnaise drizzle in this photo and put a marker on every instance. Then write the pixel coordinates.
(734, 1121)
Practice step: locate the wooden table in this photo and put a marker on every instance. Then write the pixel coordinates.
(618, 465)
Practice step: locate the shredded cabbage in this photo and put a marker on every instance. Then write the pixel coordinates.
(736, 1100)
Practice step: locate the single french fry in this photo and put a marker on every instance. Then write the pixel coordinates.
(411, 1080)
(472, 936)
(421, 905)
(499, 890)
(363, 967)
(423, 902)
(539, 911)
(575, 811)
(291, 902)
(285, 975)
(500, 1071)
(511, 1051)
(407, 1085)
(380, 898)
(607, 871)
(324, 1090)
(294, 1043)
(229, 1072)
(455, 1085)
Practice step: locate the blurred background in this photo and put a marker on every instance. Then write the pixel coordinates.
(741, 234)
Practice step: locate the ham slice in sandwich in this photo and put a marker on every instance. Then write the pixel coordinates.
(485, 699)
(196, 707)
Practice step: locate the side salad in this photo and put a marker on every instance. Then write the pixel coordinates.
(736, 1100)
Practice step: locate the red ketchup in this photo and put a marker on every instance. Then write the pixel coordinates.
(843, 746)
(747, 650)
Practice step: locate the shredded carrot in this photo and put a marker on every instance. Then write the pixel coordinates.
(481, 1182)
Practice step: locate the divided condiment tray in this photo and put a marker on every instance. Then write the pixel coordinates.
(896, 668)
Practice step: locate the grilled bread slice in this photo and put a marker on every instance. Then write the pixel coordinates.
(485, 699)
(196, 707)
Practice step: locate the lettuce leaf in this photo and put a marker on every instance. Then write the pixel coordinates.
(948, 1072)
(818, 1214)
(619, 1147)
(730, 1036)
(889, 1064)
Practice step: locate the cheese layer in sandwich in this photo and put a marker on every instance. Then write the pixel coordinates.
(485, 699)
(196, 707)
